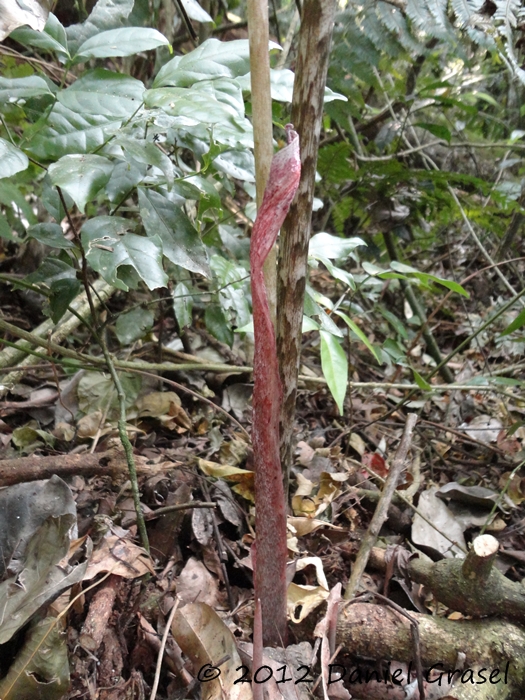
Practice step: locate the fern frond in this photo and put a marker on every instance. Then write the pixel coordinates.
(507, 11)
(396, 23)
(463, 9)
(424, 19)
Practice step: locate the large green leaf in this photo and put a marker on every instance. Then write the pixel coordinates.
(52, 38)
(359, 333)
(50, 234)
(145, 256)
(62, 294)
(232, 279)
(67, 131)
(50, 270)
(281, 86)
(217, 324)
(335, 367)
(120, 42)
(102, 92)
(100, 237)
(180, 239)
(134, 325)
(212, 59)
(328, 246)
(194, 103)
(147, 153)
(239, 164)
(81, 176)
(107, 14)
(12, 159)
(109, 247)
(182, 305)
(425, 278)
(12, 89)
(124, 178)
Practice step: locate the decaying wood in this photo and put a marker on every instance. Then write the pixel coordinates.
(112, 462)
(377, 632)
(99, 612)
(470, 586)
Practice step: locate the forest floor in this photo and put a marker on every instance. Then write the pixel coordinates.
(460, 475)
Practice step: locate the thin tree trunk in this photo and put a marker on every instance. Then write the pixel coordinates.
(317, 23)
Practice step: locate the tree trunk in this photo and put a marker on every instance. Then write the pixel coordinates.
(307, 110)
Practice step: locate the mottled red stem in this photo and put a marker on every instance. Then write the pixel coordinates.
(270, 508)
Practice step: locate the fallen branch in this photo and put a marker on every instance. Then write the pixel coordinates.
(488, 646)
(112, 463)
(471, 586)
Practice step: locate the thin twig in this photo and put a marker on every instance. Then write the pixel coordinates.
(161, 650)
(381, 511)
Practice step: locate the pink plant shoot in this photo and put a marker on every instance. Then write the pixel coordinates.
(270, 508)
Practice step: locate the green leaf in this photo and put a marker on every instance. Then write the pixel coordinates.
(14, 89)
(359, 333)
(239, 164)
(52, 202)
(332, 247)
(518, 322)
(100, 238)
(134, 325)
(401, 267)
(217, 324)
(232, 279)
(335, 367)
(67, 131)
(53, 38)
(50, 234)
(449, 284)
(281, 86)
(10, 194)
(12, 159)
(395, 322)
(337, 273)
(146, 152)
(180, 239)
(441, 132)
(426, 278)
(120, 42)
(102, 92)
(196, 12)
(50, 270)
(63, 291)
(109, 247)
(421, 381)
(124, 178)
(194, 103)
(308, 325)
(107, 14)
(212, 59)
(81, 176)
(145, 256)
(5, 229)
(395, 350)
(182, 305)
